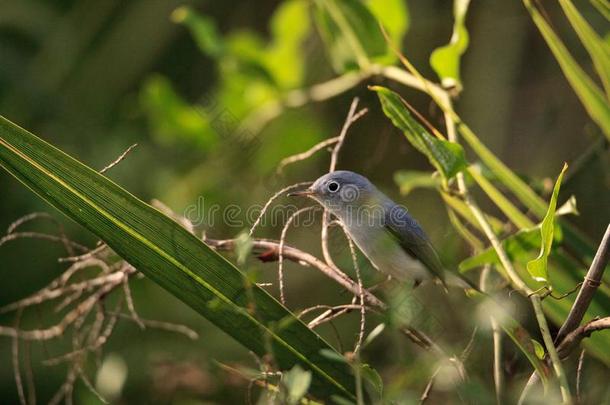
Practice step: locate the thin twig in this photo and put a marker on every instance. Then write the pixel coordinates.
(15, 356)
(360, 295)
(119, 159)
(581, 360)
(307, 154)
(273, 198)
(352, 116)
(130, 305)
(280, 270)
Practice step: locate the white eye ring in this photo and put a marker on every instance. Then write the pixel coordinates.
(333, 186)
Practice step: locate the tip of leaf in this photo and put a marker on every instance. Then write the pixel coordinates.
(180, 14)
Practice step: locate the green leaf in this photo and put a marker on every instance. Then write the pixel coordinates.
(507, 207)
(408, 180)
(519, 335)
(519, 248)
(350, 32)
(172, 257)
(374, 380)
(284, 58)
(394, 16)
(603, 6)
(446, 60)
(243, 246)
(203, 30)
(587, 91)
(459, 206)
(595, 45)
(374, 334)
(447, 157)
(539, 349)
(296, 381)
(538, 267)
(172, 119)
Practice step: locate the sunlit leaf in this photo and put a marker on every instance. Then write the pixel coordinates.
(373, 334)
(447, 157)
(408, 180)
(350, 32)
(587, 91)
(538, 267)
(539, 349)
(603, 6)
(507, 207)
(394, 16)
(243, 246)
(284, 58)
(446, 60)
(296, 381)
(519, 248)
(598, 50)
(202, 28)
(172, 119)
(172, 257)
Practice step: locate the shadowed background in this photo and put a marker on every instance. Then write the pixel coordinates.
(95, 76)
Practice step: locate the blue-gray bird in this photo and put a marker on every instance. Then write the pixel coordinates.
(384, 231)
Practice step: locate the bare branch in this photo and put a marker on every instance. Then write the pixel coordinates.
(42, 236)
(273, 198)
(307, 154)
(591, 282)
(578, 334)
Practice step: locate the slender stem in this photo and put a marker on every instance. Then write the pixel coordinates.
(497, 342)
(550, 347)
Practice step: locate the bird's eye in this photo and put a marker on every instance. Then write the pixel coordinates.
(332, 186)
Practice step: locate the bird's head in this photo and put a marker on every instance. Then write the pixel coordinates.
(339, 190)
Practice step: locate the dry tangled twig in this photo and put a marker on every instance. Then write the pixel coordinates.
(82, 303)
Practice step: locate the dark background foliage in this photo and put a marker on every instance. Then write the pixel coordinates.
(92, 77)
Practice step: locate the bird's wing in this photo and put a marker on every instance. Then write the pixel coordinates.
(412, 238)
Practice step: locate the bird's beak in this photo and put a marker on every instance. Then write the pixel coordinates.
(302, 193)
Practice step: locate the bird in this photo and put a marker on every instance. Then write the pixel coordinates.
(392, 240)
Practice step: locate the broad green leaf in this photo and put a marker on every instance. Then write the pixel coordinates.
(598, 50)
(447, 157)
(446, 60)
(408, 180)
(538, 267)
(296, 381)
(172, 257)
(585, 88)
(507, 207)
(350, 32)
